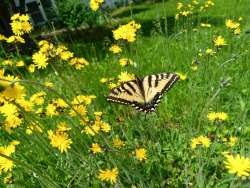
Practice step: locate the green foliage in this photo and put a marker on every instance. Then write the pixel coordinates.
(75, 13)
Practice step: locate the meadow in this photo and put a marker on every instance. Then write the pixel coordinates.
(59, 130)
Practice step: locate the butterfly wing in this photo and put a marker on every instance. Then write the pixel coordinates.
(127, 93)
(154, 86)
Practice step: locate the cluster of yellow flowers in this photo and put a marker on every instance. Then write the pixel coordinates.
(185, 10)
(97, 126)
(20, 25)
(200, 140)
(235, 164)
(11, 92)
(95, 4)
(48, 50)
(126, 32)
(7, 165)
(217, 116)
(233, 26)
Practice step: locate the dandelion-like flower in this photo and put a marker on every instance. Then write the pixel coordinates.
(115, 49)
(238, 165)
(109, 175)
(141, 154)
(60, 140)
(95, 4)
(40, 60)
(219, 41)
(125, 61)
(96, 148)
(125, 76)
(118, 143)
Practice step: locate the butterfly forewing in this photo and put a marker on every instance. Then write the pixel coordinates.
(127, 93)
(155, 85)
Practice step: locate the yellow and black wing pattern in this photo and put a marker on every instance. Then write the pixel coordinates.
(143, 94)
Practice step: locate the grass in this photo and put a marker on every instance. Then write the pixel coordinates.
(182, 114)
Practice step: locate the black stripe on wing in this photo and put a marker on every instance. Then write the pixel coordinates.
(118, 100)
(170, 83)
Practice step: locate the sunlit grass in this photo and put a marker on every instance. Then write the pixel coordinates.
(157, 151)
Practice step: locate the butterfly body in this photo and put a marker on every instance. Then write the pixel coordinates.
(143, 94)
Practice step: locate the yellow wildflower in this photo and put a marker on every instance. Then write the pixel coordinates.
(60, 140)
(78, 63)
(103, 80)
(78, 109)
(238, 165)
(219, 116)
(182, 76)
(38, 98)
(141, 154)
(124, 77)
(232, 140)
(2, 37)
(66, 55)
(112, 85)
(96, 148)
(14, 92)
(6, 164)
(127, 32)
(20, 63)
(20, 24)
(105, 127)
(237, 31)
(109, 175)
(51, 110)
(230, 24)
(210, 52)
(200, 140)
(125, 61)
(179, 6)
(12, 39)
(115, 49)
(219, 41)
(40, 60)
(118, 143)
(95, 4)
